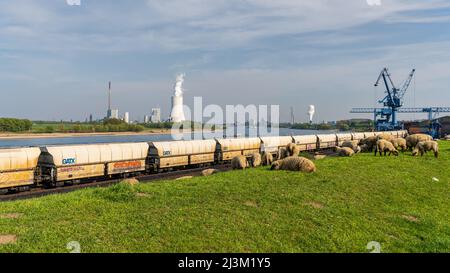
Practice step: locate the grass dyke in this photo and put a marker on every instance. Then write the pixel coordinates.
(392, 200)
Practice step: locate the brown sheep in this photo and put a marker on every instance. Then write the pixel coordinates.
(282, 153)
(345, 151)
(255, 160)
(387, 137)
(267, 159)
(352, 145)
(412, 140)
(400, 143)
(425, 146)
(292, 149)
(370, 143)
(239, 163)
(385, 146)
(294, 163)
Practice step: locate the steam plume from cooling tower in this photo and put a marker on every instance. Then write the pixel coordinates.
(179, 85)
(311, 112)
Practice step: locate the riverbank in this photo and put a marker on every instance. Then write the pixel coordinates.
(60, 135)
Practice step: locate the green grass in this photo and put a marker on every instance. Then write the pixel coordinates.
(391, 200)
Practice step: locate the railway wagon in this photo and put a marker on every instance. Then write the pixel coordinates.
(358, 136)
(227, 149)
(327, 141)
(306, 143)
(341, 138)
(273, 144)
(17, 167)
(165, 155)
(74, 163)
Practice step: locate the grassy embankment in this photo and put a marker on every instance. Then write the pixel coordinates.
(400, 202)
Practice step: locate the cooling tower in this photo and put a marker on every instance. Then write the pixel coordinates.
(177, 113)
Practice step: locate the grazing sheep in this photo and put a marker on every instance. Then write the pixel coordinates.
(345, 151)
(387, 137)
(400, 143)
(412, 140)
(294, 163)
(364, 148)
(239, 163)
(385, 146)
(425, 146)
(255, 160)
(282, 153)
(267, 159)
(352, 145)
(370, 143)
(292, 149)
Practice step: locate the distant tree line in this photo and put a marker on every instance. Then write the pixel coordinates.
(15, 125)
(342, 125)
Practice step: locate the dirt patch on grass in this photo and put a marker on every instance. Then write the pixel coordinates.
(411, 218)
(11, 216)
(250, 203)
(315, 205)
(8, 239)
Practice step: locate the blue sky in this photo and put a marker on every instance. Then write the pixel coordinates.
(56, 59)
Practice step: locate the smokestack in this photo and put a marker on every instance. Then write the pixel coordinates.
(109, 96)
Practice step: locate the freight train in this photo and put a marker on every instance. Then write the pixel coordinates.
(25, 168)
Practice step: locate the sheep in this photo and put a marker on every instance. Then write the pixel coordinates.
(282, 153)
(370, 143)
(294, 163)
(400, 143)
(267, 159)
(255, 160)
(425, 146)
(209, 172)
(364, 148)
(239, 163)
(352, 145)
(293, 150)
(345, 151)
(412, 140)
(385, 146)
(387, 137)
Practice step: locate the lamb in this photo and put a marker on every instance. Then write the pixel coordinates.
(282, 153)
(413, 140)
(294, 163)
(293, 150)
(385, 146)
(425, 146)
(370, 142)
(352, 145)
(239, 163)
(255, 160)
(345, 151)
(400, 143)
(267, 159)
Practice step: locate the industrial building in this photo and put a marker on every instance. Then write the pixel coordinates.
(156, 115)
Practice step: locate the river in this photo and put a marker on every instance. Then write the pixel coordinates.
(37, 142)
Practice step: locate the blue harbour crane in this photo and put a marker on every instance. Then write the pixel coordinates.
(385, 118)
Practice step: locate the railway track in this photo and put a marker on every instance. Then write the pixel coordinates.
(40, 192)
